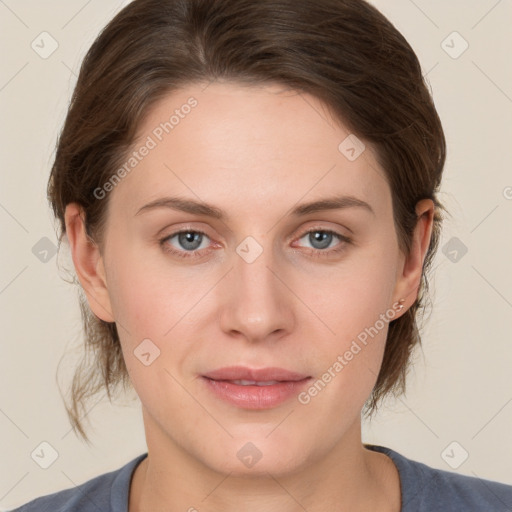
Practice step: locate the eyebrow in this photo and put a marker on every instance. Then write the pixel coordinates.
(201, 208)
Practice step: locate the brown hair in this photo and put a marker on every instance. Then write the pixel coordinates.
(344, 52)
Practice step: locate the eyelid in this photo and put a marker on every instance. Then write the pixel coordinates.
(326, 228)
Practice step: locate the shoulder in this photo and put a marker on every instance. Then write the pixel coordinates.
(425, 488)
(106, 493)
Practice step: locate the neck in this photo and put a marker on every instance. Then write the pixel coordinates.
(348, 477)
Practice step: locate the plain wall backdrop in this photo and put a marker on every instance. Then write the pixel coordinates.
(457, 414)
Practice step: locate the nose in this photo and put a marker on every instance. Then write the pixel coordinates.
(257, 304)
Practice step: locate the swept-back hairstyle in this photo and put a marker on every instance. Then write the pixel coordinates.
(344, 52)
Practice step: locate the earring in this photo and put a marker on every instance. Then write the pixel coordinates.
(401, 306)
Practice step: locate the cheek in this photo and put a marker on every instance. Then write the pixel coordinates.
(351, 297)
(149, 298)
(149, 311)
(354, 306)
(160, 303)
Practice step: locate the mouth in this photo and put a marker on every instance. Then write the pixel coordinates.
(241, 382)
(248, 388)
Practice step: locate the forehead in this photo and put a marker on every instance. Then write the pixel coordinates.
(248, 146)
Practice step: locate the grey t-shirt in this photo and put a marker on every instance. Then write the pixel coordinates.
(424, 489)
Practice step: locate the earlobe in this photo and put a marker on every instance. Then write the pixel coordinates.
(409, 278)
(88, 263)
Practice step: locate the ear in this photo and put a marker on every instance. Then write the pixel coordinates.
(410, 271)
(88, 263)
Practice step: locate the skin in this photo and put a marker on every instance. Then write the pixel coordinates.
(254, 152)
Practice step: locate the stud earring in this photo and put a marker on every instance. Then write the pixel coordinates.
(401, 306)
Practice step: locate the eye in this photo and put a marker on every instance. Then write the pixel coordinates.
(321, 240)
(190, 243)
(187, 243)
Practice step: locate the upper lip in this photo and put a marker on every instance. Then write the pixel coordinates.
(258, 375)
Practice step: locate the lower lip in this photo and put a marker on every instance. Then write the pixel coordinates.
(256, 397)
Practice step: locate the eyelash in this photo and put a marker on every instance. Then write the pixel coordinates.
(318, 253)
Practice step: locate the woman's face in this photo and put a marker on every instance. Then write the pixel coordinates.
(267, 283)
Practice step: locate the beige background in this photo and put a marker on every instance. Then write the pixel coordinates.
(461, 386)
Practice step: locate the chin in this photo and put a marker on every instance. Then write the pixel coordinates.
(258, 455)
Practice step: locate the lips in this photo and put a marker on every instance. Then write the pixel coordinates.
(249, 388)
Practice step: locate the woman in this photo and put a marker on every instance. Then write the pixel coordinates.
(249, 192)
